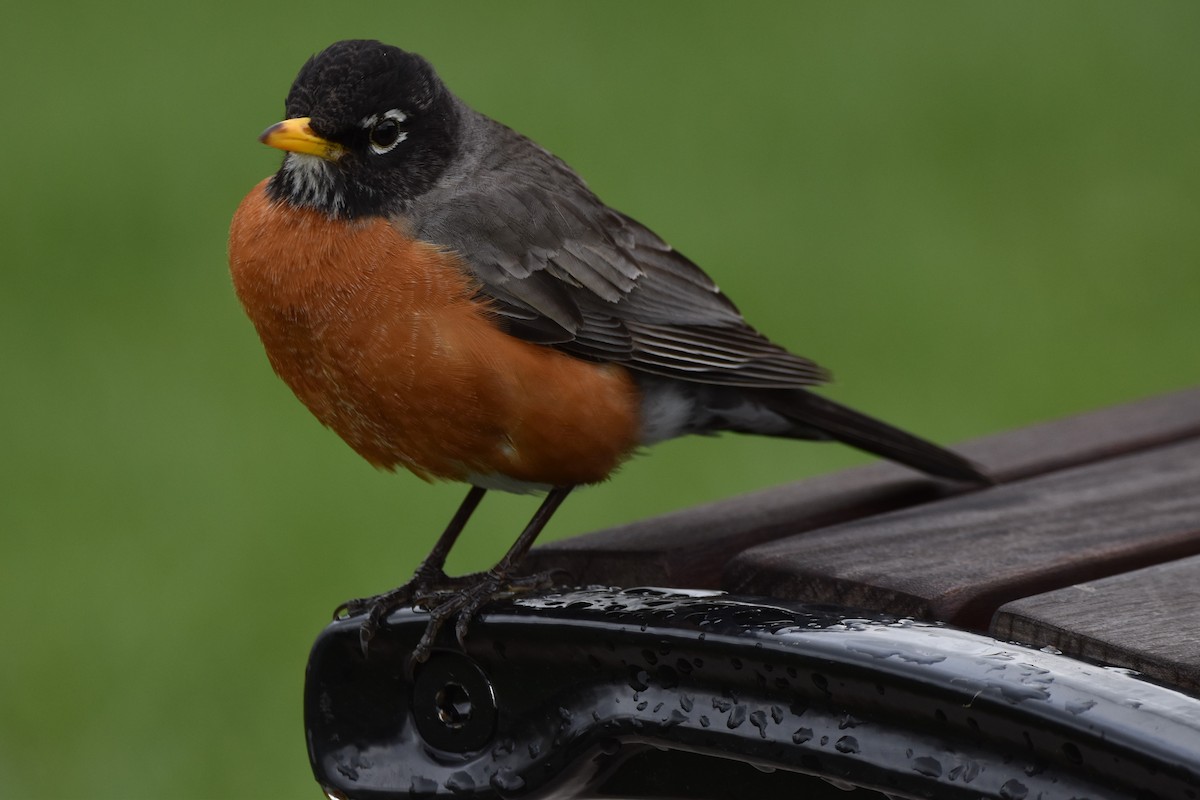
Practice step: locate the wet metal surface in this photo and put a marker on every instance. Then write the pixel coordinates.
(555, 692)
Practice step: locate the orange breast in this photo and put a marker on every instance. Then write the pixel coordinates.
(379, 335)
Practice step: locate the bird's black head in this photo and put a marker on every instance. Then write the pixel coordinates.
(370, 127)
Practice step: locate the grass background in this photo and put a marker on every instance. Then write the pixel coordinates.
(979, 215)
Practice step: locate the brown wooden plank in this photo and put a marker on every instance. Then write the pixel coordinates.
(689, 548)
(960, 559)
(1147, 620)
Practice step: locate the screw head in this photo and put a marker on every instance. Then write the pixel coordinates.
(454, 704)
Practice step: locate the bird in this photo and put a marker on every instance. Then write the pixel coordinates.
(451, 298)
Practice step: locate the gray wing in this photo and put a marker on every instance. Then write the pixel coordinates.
(562, 269)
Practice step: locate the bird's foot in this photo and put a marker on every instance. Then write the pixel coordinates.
(463, 605)
(445, 597)
(426, 583)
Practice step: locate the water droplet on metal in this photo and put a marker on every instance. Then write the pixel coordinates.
(967, 770)
(460, 781)
(507, 781)
(736, 717)
(1122, 671)
(420, 786)
(838, 784)
(1080, 706)
(929, 767)
(847, 744)
(759, 720)
(848, 721)
(802, 735)
(1013, 790)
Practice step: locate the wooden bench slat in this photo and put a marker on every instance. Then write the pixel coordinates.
(690, 548)
(1147, 620)
(962, 558)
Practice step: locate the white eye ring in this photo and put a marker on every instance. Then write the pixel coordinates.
(395, 117)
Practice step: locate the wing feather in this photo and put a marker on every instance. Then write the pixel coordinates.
(560, 268)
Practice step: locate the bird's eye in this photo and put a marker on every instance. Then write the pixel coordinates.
(386, 133)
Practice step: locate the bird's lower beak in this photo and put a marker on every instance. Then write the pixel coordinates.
(296, 136)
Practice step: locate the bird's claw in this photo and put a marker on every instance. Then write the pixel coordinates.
(446, 598)
(463, 606)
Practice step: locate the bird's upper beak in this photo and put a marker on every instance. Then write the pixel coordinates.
(296, 136)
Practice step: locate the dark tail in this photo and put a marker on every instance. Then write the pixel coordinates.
(815, 414)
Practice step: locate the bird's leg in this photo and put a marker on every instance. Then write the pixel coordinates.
(433, 568)
(495, 583)
(429, 579)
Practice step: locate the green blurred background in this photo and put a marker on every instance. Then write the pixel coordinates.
(979, 215)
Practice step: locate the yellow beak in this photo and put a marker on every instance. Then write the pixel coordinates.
(295, 136)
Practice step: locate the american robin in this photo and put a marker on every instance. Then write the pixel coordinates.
(451, 298)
